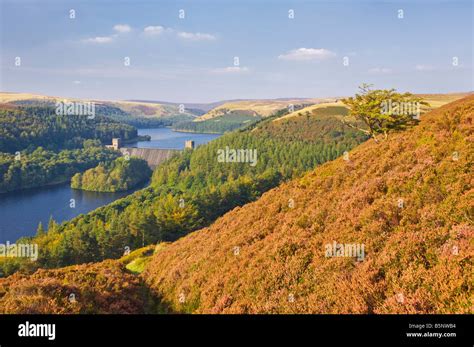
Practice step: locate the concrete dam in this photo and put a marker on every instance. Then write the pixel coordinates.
(153, 156)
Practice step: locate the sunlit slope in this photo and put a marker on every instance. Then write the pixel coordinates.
(407, 200)
(262, 108)
(438, 100)
(435, 101)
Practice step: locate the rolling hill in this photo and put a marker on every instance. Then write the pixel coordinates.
(435, 101)
(136, 113)
(262, 108)
(237, 114)
(217, 117)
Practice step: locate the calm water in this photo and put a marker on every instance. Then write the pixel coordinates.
(21, 211)
(166, 138)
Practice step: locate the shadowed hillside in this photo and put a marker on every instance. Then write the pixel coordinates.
(91, 288)
(407, 201)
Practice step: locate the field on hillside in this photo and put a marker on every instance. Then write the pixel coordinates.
(263, 108)
(438, 100)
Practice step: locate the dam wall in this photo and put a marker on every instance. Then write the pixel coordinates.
(153, 156)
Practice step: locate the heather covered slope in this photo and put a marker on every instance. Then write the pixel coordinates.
(90, 288)
(408, 200)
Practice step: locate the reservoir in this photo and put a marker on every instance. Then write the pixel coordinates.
(21, 211)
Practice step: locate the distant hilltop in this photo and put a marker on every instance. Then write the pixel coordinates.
(262, 107)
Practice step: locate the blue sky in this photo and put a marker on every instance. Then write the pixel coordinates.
(192, 59)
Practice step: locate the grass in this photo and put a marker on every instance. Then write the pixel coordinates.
(137, 266)
(136, 261)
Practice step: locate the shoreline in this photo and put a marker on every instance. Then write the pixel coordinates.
(195, 132)
(139, 138)
(50, 184)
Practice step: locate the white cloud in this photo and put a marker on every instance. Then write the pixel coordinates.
(154, 30)
(421, 67)
(122, 28)
(196, 36)
(307, 54)
(380, 70)
(151, 30)
(99, 39)
(158, 30)
(231, 70)
(119, 28)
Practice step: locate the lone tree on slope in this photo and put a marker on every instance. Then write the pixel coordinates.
(383, 111)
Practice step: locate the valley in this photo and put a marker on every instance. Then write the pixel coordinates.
(377, 195)
(260, 169)
(54, 200)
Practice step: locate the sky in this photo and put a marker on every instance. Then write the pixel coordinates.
(228, 49)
